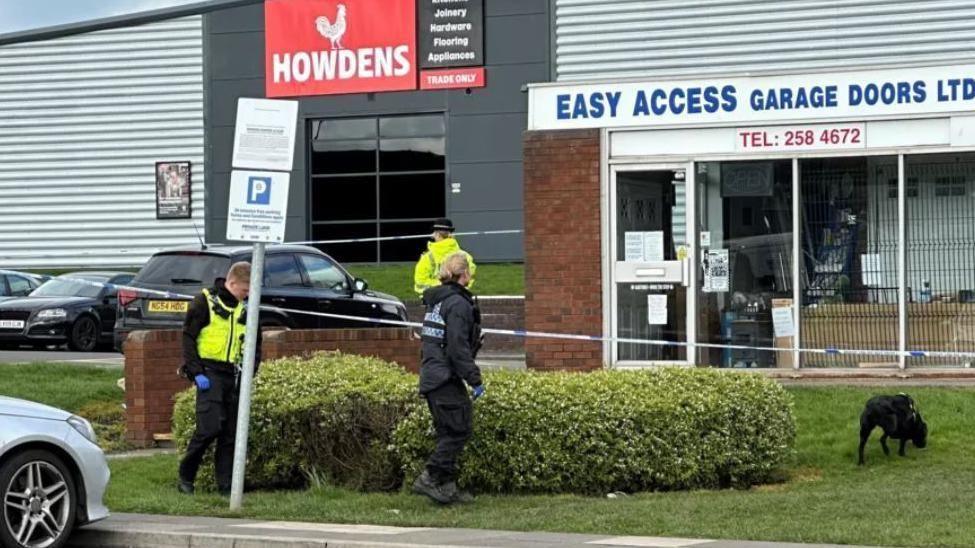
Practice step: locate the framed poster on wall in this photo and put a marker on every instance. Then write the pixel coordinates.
(173, 184)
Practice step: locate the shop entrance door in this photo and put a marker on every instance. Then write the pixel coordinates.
(649, 264)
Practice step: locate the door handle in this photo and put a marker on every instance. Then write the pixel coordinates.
(325, 302)
(278, 300)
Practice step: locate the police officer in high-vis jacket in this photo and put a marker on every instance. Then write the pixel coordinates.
(213, 342)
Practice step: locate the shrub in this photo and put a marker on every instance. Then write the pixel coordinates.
(357, 422)
(329, 416)
(108, 420)
(616, 431)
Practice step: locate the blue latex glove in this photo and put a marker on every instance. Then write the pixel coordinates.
(478, 391)
(202, 382)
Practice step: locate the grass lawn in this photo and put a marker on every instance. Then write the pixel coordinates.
(88, 391)
(924, 499)
(397, 279)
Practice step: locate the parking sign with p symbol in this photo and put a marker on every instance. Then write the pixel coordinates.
(259, 190)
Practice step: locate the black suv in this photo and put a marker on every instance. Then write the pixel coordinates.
(295, 277)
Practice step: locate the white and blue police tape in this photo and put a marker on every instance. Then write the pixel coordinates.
(831, 351)
(309, 242)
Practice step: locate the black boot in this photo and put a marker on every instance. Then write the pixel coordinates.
(186, 487)
(456, 495)
(425, 485)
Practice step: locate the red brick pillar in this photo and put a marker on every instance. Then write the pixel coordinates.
(563, 284)
(151, 381)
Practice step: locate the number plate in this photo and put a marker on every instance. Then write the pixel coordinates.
(179, 307)
(11, 324)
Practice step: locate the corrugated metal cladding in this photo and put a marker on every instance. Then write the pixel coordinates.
(83, 120)
(633, 38)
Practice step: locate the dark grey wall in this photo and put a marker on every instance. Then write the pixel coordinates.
(484, 151)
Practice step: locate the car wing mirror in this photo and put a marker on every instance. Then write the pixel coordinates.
(360, 285)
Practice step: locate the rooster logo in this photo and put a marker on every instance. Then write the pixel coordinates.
(333, 31)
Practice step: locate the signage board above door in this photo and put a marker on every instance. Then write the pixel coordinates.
(854, 95)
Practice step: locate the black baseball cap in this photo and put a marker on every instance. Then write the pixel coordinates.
(444, 224)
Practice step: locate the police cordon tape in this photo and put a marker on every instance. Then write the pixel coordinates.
(544, 334)
(306, 242)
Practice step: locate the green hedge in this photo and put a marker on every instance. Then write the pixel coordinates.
(329, 416)
(357, 422)
(617, 431)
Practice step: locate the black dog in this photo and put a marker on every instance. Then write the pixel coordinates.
(898, 418)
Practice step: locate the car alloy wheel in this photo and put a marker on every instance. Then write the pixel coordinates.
(84, 334)
(37, 505)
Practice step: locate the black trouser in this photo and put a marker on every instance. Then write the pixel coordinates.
(216, 420)
(452, 413)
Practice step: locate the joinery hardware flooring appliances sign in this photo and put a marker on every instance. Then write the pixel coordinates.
(451, 37)
(321, 47)
(855, 95)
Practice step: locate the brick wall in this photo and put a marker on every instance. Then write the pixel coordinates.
(152, 358)
(495, 313)
(563, 286)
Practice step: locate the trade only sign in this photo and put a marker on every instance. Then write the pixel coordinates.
(322, 47)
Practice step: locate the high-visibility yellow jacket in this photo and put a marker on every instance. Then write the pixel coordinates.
(425, 273)
(222, 340)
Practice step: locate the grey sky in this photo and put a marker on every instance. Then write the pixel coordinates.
(17, 15)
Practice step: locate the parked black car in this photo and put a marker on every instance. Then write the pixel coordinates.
(64, 311)
(19, 285)
(295, 277)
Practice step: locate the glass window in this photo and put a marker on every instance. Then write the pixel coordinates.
(417, 154)
(940, 250)
(745, 263)
(353, 252)
(323, 273)
(64, 288)
(343, 199)
(375, 169)
(412, 196)
(344, 129)
(281, 271)
(184, 269)
(19, 286)
(336, 157)
(849, 269)
(412, 126)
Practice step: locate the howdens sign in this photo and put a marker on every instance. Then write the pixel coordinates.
(321, 47)
(909, 91)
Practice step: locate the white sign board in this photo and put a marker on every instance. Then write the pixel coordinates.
(657, 309)
(643, 247)
(716, 270)
(265, 134)
(782, 322)
(258, 206)
(900, 92)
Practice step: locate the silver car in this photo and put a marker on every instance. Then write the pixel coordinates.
(52, 475)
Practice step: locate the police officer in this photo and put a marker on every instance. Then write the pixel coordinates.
(427, 270)
(213, 342)
(451, 338)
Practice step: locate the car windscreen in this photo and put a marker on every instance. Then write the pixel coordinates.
(65, 288)
(184, 269)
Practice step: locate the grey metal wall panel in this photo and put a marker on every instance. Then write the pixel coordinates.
(83, 120)
(640, 38)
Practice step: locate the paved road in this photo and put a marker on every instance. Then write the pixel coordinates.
(146, 530)
(25, 356)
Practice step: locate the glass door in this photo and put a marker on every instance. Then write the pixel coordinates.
(649, 264)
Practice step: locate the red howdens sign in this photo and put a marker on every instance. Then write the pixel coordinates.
(320, 47)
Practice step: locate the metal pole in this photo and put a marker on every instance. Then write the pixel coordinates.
(796, 265)
(247, 376)
(901, 263)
